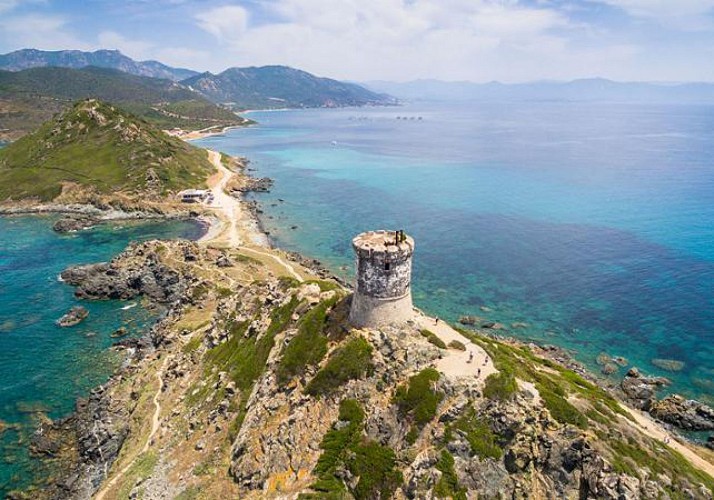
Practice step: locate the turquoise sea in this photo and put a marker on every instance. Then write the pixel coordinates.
(592, 223)
(44, 368)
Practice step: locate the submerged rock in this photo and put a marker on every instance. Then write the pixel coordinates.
(74, 316)
(684, 413)
(671, 365)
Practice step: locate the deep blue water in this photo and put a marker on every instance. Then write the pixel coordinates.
(593, 223)
(44, 368)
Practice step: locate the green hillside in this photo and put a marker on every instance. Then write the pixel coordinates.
(103, 148)
(29, 97)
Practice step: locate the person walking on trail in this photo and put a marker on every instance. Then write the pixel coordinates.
(437, 321)
(471, 356)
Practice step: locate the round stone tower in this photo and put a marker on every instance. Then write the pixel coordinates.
(383, 285)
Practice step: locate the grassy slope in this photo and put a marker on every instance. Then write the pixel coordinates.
(29, 97)
(95, 144)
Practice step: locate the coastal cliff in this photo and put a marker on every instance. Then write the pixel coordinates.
(255, 386)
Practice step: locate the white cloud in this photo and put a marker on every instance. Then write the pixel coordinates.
(135, 49)
(402, 39)
(225, 23)
(686, 14)
(40, 31)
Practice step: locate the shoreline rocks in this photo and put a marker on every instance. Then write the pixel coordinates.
(640, 390)
(73, 317)
(687, 414)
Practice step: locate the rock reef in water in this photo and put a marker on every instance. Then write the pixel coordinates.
(71, 223)
(640, 389)
(73, 317)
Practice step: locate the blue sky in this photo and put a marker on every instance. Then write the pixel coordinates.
(478, 40)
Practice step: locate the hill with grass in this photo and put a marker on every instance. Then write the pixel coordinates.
(271, 87)
(97, 148)
(29, 97)
(33, 58)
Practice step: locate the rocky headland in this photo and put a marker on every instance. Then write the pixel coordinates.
(255, 386)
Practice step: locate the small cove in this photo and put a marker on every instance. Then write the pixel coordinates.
(45, 368)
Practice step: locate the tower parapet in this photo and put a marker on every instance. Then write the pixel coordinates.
(383, 282)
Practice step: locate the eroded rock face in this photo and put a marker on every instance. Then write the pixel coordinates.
(684, 413)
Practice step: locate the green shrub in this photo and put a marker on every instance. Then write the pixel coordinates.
(308, 346)
(433, 338)
(417, 400)
(376, 467)
(482, 440)
(448, 485)
(455, 344)
(560, 409)
(351, 361)
(501, 385)
(344, 447)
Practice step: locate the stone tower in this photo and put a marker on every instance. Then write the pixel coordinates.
(383, 285)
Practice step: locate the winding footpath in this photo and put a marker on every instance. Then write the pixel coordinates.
(154, 428)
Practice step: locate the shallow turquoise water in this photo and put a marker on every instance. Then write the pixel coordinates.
(44, 368)
(590, 222)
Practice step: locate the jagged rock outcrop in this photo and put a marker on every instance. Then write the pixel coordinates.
(136, 271)
(640, 390)
(684, 413)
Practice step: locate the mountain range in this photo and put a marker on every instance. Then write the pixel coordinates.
(281, 87)
(36, 84)
(590, 89)
(33, 58)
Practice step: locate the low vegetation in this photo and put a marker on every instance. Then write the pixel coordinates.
(103, 149)
(308, 346)
(432, 338)
(344, 447)
(448, 484)
(349, 362)
(481, 439)
(418, 400)
(501, 385)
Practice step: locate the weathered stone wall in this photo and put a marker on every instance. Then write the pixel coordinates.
(372, 312)
(383, 283)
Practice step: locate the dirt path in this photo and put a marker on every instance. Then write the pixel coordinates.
(654, 430)
(154, 428)
(227, 208)
(473, 362)
(285, 265)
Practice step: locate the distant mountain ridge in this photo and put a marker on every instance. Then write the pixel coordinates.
(589, 89)
(33, 58)
(281, 87)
